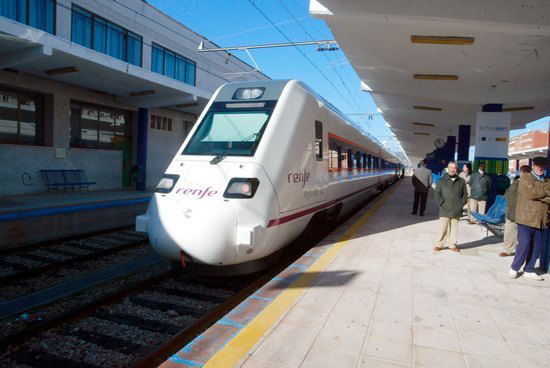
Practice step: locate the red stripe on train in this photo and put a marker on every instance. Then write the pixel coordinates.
(294, 216)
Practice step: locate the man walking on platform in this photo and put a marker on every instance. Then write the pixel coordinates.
(480, 183)
(532, 219)
(510, 227)
(451, 195)
(422, 180)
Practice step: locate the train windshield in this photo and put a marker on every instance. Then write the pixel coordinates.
(233, 132)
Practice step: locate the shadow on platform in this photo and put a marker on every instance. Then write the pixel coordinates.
(324, 279)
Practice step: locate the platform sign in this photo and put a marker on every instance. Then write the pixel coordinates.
(492, 132)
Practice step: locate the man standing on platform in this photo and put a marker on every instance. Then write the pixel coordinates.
(481, 187)
(510, 227)
(532, 219)
(451, 195)
(422, 180)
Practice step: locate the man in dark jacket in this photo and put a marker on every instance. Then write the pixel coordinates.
(422, 180)
(510, 227)
(480, 183)
(532, 219)
(451, 195)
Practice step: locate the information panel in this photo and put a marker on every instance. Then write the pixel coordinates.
(492, 132)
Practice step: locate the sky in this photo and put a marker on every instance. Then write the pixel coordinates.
(240, 22)
(235, 23)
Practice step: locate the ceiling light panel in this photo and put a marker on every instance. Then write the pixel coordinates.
(438, 77)
(427, 108)
(443, 40)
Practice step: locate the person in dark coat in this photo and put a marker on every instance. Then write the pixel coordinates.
(422, 181)
(510, 227)
(480, 184)
(451, 195)
(532, 219)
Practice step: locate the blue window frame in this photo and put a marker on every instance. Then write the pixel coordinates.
(170, 64)
(35, 13)
(95, 32)
(116, 45)
(134, 48)
(81, 27)
(100, 35)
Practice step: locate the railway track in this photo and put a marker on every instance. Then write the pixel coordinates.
(139, 325)
(19, 265)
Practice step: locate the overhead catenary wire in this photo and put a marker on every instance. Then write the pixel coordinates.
(351, 95)
(225, 55)
(289, 12)
(241, 64)
(328, 59)
(308, 59)
(300, 51)
(400, 148)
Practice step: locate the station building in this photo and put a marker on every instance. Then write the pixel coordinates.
(524, 147)
(111, 87)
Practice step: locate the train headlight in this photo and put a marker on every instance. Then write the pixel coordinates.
(248, 93)
(241, 188)
(167, 183)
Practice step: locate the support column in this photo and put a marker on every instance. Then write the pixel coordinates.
(492, 137)
(143, 119)
(463, 142)
(450, 148)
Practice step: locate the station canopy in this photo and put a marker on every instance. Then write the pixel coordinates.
(431, 65)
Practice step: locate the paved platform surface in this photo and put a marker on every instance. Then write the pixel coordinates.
(379, 296)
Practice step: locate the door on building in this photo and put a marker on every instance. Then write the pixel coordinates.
(124, 143)
(102, 127)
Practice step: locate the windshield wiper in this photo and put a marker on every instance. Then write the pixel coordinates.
(253, 135)
(216, 160)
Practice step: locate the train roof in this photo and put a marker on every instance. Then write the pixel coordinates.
(273, 90)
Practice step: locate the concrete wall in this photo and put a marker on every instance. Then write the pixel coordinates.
(21, 165)
(162, 145)
(103, 166)
(155, 26)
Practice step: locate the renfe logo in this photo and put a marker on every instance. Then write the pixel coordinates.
(199, 193)
(299, 177)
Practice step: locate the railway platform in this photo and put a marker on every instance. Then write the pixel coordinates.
(32, 218)
(375, 294)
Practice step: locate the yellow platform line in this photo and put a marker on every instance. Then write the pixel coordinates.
(235, 349)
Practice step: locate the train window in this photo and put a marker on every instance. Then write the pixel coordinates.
(319, 140)
(333, 156)
(365, 163)
(350, 158)
(229, 132)
(343, 159)
(340, 156)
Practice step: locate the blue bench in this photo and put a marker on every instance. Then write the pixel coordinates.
(495, 217)
(55, 179)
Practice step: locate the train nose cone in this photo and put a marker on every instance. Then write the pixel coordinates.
(204, 231)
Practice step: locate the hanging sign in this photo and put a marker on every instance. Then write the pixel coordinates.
(492, 132)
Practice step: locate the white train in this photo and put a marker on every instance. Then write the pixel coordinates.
(264, 158)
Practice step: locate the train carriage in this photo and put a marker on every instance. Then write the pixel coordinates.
(264, 159)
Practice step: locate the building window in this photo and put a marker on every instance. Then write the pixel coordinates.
(99, 127)
(35, 13)
(21, 117)
(161, 123)
(170, 64)
(95, 32)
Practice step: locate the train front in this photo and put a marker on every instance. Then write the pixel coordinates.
(215, 201)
